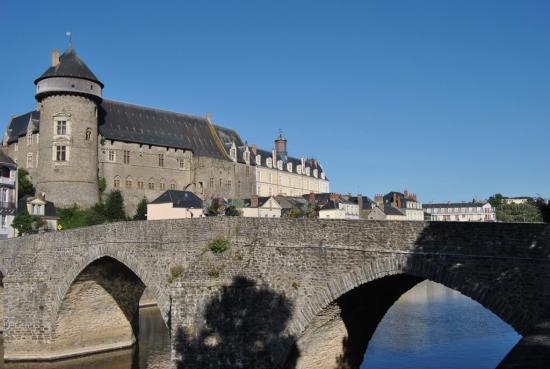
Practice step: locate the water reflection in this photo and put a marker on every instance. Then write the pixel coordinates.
(432, 326)
(153, 351)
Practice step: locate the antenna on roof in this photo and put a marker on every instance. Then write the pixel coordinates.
(70, 37)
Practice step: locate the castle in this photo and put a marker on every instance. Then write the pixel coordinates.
(75, 138)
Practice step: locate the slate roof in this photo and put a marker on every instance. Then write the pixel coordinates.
(330, 205)
(390, 210)
(149, 126)
(18, 125)
(6, 160)
(179, 199)
(454, 205)
(261, 201)
(367, 202)
(70, 65)
(313, 164)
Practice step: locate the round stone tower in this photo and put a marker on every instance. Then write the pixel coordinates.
(68, 95)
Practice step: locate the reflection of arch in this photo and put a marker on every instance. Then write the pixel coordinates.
(350, 306)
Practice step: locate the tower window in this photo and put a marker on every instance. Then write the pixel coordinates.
(61, 153)
(161, 160)
(151, 184)
(88, 134)
(182, 163)
(172, 186)
(111, 155)
(126, 157)
(116, 182)
(162, 186)
(140, 184)
(128, 182)
(29, 138)
(29, 160)
(61, 127)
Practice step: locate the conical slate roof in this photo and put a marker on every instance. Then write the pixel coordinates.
(70, 65)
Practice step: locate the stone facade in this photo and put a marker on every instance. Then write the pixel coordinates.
(288, 293)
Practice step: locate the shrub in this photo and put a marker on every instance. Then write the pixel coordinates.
(101, 184)
(219, 245)
(23, 223)
(175, 273)
(24, 185)
(114, 207)
(141, 210)
(74, 217)
(232, 211)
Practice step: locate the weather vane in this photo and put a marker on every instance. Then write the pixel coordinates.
(70, 37)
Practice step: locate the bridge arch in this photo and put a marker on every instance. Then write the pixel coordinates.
(97, 308)
(96, 253)
(335, 326)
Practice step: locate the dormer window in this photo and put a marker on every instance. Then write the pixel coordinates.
(289, 167)
(233, 153)
(299, 169)
(308, 171)
(258, 160)
(37, 209)
(246, 157)
(269, 162)
(315, 173)
(280, 164)
(322, 175)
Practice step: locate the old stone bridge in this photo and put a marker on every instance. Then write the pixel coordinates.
(287, 293)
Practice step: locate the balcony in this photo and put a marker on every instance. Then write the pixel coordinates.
(7, 181)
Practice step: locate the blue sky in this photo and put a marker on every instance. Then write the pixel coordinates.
(448, 99)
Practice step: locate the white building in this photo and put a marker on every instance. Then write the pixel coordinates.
(8, 195)
(175, 205)
(261, 207)
(339, 209)
(461, 212)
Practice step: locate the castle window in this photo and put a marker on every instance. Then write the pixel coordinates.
(161, 161)
(173, 185)
(299, 169)
(140, 184)
(280, 164)
(162, 186)
(246, 156)
(29, 138)
(258, 160)
(88, 134)
(151, 184)
(211, 183)
(111, 155)
(116, 182)
(307, 171)
(29, 160)
(229, 184)
(247, 170)
(182, 163)
(61, 127)
(126, 157)
(269, 162)
(61, 153)
(289, 167)
(129, 182)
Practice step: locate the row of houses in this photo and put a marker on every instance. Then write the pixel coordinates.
(392, 206)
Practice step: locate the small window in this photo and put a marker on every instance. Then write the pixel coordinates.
(88, 134)
(247, 170)
(162, 186)
(151, 184)
(128, 182)
(111, 156)
(211, 183)
(61, 153)
(161, 161)
(61, 128)
(182, 163)
(172, 186)
(29, 160)
(126, 157)
(229, 184)
(29, 138)
(116, 182)
(140, 184)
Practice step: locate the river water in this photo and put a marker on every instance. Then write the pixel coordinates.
(429, 327)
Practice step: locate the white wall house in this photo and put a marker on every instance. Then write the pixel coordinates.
(262, 207)
(461, 212)
(8, 195)
(175, 205)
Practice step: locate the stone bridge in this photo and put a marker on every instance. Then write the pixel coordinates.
(286, 294)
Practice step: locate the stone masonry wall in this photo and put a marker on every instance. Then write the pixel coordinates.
(260, 304)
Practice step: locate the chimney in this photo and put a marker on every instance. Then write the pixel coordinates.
(209, 117)
(379, 199)
(254, 151)
(281, 146)
(254, 201)
(55, 58)
(406, 193)
(311, 198)
(360, 201)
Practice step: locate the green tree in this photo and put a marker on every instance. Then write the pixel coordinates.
(518, 213)
(232, 211)
(544, 208)
(24, 184)
(141, 210)
(495, 200)
(114, 207)
(101, 185)
(23, 223)
(74, 217)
